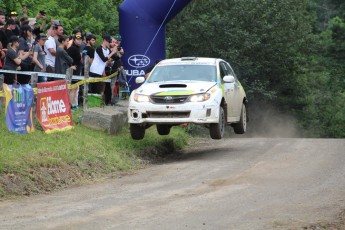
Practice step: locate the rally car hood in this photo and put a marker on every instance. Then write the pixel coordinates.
(175, 88)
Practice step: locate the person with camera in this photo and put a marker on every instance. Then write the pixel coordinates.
(113, 67)
(102, 58)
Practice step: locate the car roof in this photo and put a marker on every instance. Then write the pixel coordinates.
(189, 61)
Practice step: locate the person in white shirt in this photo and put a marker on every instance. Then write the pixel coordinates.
(103, 55)
(50, 49)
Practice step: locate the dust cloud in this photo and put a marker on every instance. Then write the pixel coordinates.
(267, 121)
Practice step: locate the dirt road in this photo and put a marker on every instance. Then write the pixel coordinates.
(241, 183)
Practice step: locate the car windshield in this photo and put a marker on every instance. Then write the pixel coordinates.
(183, 73)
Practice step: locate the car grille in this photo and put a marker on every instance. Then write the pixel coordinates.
(180, 114)
(169, 99)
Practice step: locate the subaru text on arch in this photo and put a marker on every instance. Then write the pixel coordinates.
(194, 90)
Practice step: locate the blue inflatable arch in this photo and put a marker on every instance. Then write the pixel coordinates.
(142, 27)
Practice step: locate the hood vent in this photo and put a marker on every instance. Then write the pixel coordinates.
(173, 86)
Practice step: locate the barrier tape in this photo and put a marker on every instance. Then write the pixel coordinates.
(70, 86)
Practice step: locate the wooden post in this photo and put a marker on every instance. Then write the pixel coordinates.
(2, 77)
(69, 74)
(86, 85)
(33, 83)
(112, 87)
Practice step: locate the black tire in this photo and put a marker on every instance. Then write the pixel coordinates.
(137, 131)
(241, 127)
(163, 129)
(217, 129)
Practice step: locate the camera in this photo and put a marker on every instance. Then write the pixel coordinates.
(119, 48)
(42, 12)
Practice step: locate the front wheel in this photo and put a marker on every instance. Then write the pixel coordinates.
(241, 127)
(163, 129)
(137, 131)
(217, 129)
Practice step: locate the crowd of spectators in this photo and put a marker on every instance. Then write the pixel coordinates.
(47, 47)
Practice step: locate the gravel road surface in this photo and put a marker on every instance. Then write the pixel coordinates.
(238, 183)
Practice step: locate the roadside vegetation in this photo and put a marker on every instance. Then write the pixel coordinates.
(39, 162)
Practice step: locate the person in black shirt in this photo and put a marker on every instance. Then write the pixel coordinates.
(89, 48)
(7, 32)
(74, 52)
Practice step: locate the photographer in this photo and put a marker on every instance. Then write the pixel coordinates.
(113, 66)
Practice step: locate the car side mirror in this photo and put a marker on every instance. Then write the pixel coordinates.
(140, 80)
(229, 79)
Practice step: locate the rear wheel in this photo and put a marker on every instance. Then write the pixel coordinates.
(163, 129)
(137, 131)
(217, 129)
(241, 127)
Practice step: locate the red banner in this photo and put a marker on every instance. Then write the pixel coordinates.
(53, 108)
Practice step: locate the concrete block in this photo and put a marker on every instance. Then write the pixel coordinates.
(110, 119)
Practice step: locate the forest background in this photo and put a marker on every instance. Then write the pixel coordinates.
(288, 54)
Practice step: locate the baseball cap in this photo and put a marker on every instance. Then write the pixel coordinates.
(88, 34)
(12, 13)
(32, 21)
(57, 23)
(10, 22)
(13, 38)
(118, 37)
(107, 38)
(42, 36)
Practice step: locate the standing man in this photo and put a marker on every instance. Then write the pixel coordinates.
(102, 57)
(88, 49)
(13, 15)
(113, 67)
(2, 29)
(50, 49)
(74, 52)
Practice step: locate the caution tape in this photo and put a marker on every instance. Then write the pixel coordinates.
(79, 83)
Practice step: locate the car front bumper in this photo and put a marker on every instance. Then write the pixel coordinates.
(149, 113)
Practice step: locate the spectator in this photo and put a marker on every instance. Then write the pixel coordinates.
(113, 67)
(63, 60)
(13, 15)
(25, 46)
(33, 22)
(2, 29)
(39, 56)
(13, 60)
(50, 49)
(74, 33)
(8, 32)
(102, 57)
(2, 18)
(74, 52)
(89, 50)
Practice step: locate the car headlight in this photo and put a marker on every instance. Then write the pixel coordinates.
(141, 98)
(199, 97)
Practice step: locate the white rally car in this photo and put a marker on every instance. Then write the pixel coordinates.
(194, 90)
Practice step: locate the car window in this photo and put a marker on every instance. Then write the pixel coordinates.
(183, 73)
(222, 70)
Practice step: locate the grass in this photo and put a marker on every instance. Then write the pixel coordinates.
(39, 162)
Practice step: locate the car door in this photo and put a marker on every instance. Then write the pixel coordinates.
(238, 97)
(229, 92)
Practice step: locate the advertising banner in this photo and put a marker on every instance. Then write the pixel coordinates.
(53, 107)
(19, 99)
